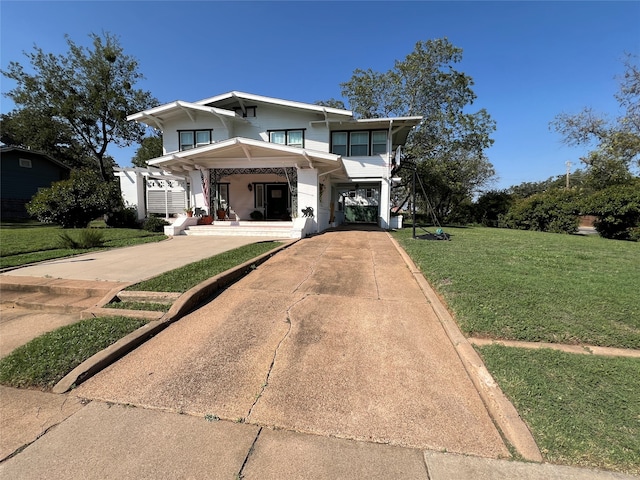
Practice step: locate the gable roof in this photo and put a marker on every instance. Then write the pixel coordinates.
(10, 148)
(156, 116)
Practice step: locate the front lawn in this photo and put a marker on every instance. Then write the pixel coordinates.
(533, 286)
(582, 410)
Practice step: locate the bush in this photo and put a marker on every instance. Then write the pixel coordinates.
(554, 211)
(618, 210)
(490, 206)
(75, 202)
(87, 238)
(154, 224)
(123, 217)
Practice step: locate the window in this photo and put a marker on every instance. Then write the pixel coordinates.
(339, 143)
(378, 142)
(194, 138)
(293, 138)
(359, 143)
(246, 112)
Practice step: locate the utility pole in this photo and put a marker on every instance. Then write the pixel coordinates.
(568, 164)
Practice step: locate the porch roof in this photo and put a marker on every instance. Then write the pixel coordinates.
(246, 152)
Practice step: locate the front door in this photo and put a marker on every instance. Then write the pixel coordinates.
(277, 202)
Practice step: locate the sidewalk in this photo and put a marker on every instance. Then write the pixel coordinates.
(327, 361)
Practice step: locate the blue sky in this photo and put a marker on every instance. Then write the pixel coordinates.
(530, 60)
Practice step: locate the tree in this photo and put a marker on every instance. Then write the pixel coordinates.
(616, 144)
(448, 144)
(150, 147)
(332, 103)
(90, 92)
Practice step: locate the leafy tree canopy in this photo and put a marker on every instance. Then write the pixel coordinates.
(616, 143)
(150, 147)
(449, 142)
(89, 91)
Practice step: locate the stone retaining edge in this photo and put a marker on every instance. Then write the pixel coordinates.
(498, 405)
(187, 302)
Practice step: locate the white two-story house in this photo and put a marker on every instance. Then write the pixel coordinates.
(247, 157)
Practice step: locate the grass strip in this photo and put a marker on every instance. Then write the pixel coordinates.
(182, 279)
(582, 410)
(145, 306)
(534, 286)
(45, 360)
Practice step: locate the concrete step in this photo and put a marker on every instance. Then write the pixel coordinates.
(58, 286)
(53, 295)
(165, 298)
(243, 228)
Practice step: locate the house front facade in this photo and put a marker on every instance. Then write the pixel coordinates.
(247, 157)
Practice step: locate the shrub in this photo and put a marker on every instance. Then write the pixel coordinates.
(123, 217)
(75, 202)
(155, 224)
(618, 210)
(491, 205)
(87, 238)
(554, 211)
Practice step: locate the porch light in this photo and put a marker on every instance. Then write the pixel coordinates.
(250, 187)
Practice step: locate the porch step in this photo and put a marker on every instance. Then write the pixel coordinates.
(244, 229)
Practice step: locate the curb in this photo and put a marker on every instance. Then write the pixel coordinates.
(188, 301)
(498, 405)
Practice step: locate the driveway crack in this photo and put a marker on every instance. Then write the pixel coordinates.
(246, 458)
(265, 384)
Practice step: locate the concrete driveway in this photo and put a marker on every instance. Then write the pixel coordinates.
(332, 336)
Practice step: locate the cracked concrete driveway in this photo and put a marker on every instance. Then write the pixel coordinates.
(331, 336)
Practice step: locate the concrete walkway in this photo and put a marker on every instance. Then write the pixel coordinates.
(327, 361)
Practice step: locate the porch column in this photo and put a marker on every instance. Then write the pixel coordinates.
(308, 197)
(385, 202)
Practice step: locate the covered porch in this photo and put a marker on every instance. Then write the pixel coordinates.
(250, 185)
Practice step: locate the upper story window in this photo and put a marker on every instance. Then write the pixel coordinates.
(194, 138)
(293, 138)
(360, 143)
(246, 112)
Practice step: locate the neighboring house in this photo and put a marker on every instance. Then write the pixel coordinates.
(247, 156)
(23, 172)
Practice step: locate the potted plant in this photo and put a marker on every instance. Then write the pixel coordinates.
(189, 211)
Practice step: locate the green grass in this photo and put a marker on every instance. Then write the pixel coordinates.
(45, 360)
(534, 286)
(22, 244)
(146, 306)
(182, 279)
(582, 410)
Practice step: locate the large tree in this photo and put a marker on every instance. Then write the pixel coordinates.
(615, 144)
(89, 91)
(448, 144)
(150, 147)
